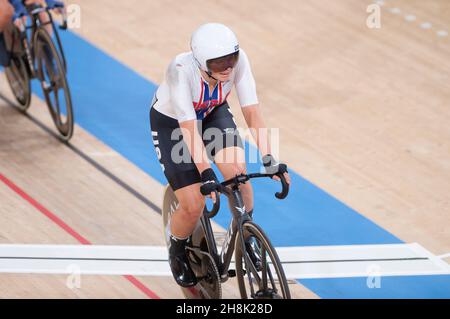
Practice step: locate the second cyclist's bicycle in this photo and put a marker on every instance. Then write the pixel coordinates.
(36, 55)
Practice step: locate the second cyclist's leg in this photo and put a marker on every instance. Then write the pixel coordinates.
(6, 13)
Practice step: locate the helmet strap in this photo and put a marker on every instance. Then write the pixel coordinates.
(210, 75)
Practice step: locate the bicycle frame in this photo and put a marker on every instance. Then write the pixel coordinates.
(29, 42)
(230, 189)
(240, 216)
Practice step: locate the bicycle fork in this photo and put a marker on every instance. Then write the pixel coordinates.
(240, 216)
(27, 50)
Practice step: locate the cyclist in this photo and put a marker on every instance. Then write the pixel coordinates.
(6, 13)
(20, 6)
(20, 12)
(193, 99)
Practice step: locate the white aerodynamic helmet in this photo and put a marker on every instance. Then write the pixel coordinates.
(215, 47)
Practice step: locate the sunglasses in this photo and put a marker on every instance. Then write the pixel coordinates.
(222, 64)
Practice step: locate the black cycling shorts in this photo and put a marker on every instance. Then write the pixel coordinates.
(218, 129)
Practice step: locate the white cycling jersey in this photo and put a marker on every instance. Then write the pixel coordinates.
(184, 95)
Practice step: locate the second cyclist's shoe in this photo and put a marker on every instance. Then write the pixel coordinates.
(179, 263)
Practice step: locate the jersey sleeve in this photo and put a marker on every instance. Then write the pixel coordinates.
(180, 93)
(19, 9)
(55, 4)
(244, 82)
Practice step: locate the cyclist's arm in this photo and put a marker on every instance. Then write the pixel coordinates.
(19, 9)
(255, 122)
(246, 91)
(6, 13)
(51, 4)
(181, 98)
(194, 142)
(55, 4)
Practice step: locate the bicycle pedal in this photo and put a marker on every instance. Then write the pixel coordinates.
(231, 273)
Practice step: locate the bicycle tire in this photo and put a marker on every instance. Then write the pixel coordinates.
(17, 73)
(252, 229)
(54, 83)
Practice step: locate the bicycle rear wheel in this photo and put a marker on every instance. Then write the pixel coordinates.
(266, 280)
(19, 81)
(203, 265)
(52, 74)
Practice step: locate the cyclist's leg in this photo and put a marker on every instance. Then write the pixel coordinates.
(226, 147)
(4, 54)
(184, 179)
(224, 144)
(233, 165)
(6, 13)
(11, 38)
(189, 211)
(181, 173)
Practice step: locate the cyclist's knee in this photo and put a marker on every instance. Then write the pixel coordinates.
(237, 169)
(7, 12)
(193, 207)
(246, 189)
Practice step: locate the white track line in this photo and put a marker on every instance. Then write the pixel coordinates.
(412, 18)
(395, 10)
(298, 262)
(444, 256)
(426, 25)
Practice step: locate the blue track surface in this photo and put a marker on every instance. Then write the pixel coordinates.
(112, 103)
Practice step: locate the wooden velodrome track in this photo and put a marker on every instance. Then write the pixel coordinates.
(365, 116)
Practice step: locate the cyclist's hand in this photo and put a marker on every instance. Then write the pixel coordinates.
(20, 22)
(39, 2)
(53, 4)
(272, 166)
(210, 184)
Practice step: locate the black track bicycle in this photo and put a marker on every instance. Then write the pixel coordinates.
(36, 55)
(258, 269)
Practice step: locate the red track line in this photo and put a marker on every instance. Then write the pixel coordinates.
(58, 221)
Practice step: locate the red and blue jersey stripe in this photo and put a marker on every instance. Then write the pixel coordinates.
(207, 102)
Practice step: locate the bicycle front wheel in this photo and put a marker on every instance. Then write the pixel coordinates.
(259, 272)
(52, 74)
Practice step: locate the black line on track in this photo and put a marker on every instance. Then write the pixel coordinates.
(353, 260)
(88, 159)
(165, 260)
